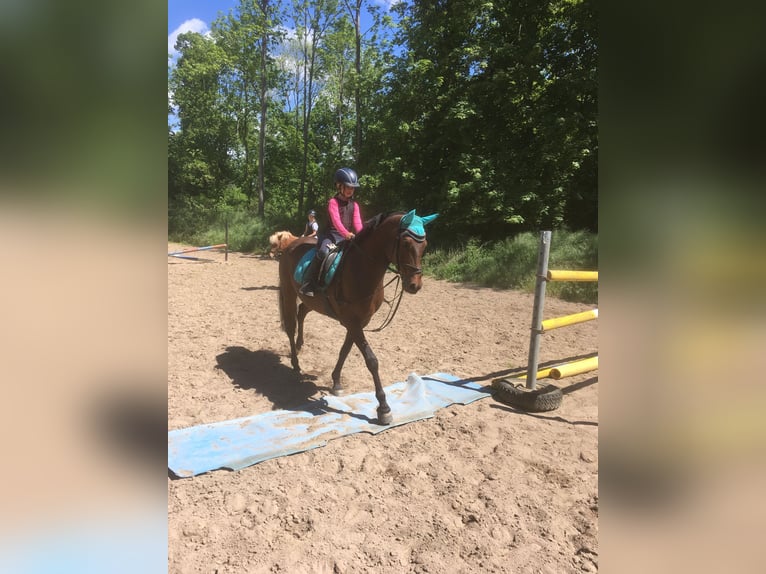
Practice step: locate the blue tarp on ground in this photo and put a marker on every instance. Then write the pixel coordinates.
(238, 443)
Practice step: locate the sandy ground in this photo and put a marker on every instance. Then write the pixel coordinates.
(477, 488)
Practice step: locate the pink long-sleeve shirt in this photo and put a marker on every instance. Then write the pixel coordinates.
(336, 220)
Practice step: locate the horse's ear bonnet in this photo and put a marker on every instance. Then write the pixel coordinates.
(414, 224)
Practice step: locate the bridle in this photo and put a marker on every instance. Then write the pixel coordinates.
(415, 237)
(393, 305)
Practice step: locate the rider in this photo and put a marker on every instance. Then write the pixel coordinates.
(344, 214)
(311, 225)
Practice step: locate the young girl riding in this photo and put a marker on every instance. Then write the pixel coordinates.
(344, 214)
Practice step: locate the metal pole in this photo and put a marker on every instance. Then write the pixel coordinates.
(193, 249)
(226, 227)
(537, 311)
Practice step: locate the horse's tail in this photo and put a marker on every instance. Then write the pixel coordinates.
(288, 310)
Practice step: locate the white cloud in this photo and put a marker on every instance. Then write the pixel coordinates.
(387, 3)
(193, 25)
(290, 33)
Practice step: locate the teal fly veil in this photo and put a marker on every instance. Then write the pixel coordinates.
(415, 225)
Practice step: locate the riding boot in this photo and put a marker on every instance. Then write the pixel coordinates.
(310, 278)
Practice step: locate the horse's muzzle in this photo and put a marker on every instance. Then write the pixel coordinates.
(413, 283)
(413, 280)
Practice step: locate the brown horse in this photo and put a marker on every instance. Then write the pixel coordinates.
(356, 292)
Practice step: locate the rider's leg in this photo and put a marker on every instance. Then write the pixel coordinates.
(311, 277)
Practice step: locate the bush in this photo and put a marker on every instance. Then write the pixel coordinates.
(512, 263)
(207, 226)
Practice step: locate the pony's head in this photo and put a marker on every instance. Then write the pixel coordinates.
(279, 242)
(412, 245)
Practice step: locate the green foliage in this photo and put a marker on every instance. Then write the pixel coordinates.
(247, 232)
(484, 112)
(512, 263)
(574, 251)
(491, 115)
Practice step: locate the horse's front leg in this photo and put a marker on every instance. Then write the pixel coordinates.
(384, 411)
(337, 388)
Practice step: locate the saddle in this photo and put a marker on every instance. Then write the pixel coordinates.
(327, 271)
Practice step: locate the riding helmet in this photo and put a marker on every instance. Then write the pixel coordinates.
(347, 176)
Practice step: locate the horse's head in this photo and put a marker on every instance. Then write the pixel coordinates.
(410, 248)
(279, 241)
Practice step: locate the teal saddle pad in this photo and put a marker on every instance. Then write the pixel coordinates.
(303, 265)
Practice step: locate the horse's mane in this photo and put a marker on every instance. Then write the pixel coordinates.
(373, 223)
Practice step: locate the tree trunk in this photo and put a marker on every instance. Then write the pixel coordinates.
(357, 92)
(262, 130)
(304, 131)
(263, 84)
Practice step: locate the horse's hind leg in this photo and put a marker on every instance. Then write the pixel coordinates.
(287, 308)
(384, 411)
(337, 388)
(302, 312)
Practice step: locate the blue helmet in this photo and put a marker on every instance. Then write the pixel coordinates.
(346, 176)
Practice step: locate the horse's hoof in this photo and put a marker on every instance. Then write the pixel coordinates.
(385, 418)
(338, 392)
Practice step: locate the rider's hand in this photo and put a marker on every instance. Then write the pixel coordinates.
(350, 235)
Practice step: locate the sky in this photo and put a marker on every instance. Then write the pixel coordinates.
(193, 16)
(197, 15)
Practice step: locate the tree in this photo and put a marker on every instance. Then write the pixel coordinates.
(354, 8)
(482, 110)
(312, 20)
(247, 36)
(336, 63)
(199, 151)
(490, 112)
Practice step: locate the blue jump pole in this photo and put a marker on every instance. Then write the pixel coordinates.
(192, 249)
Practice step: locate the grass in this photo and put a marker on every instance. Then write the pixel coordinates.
(247, 232)
(507, 264)
(512, 263)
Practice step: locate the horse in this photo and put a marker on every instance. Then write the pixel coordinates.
(355, 292)
(279, 242)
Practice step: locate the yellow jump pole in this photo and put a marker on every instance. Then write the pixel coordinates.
(544, 373)
(550, 324)
(572, 275)
(574, 368)
(541, 374)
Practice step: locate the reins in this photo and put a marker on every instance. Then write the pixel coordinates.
(393, 304)
(391, 308)
(398, 276)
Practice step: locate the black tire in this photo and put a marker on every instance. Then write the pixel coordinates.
(540, 400)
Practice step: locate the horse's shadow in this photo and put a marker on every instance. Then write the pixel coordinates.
(261, 288)
(263, 372)
(261, 256)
